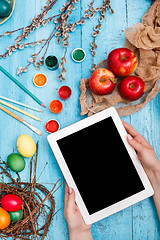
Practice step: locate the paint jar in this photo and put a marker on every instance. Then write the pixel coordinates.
(78, 54)
(40, 80)
(51, 63)
(56, 106)
(65, 92)
(52, 126)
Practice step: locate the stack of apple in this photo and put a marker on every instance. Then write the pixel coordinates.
(122, 62)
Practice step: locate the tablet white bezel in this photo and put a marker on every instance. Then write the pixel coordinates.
(110, 112)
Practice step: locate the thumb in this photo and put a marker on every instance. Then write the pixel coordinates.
(136, 145)
(71, 199)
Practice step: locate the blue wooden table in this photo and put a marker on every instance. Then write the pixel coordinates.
(137, 222)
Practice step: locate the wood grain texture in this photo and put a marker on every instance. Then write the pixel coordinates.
(139, 222)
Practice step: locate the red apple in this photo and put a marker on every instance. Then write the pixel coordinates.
(102, 81)
(122, 61)
(132, 88)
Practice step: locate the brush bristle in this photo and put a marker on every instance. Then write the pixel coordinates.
(38, 132)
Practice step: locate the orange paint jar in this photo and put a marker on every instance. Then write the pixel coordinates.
(56, 106)
(40, 80)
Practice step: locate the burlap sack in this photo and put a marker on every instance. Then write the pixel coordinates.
(143, 39)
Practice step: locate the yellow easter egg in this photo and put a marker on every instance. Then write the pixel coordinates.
(26, 145)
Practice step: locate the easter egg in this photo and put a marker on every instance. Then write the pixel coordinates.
(15, 216)
(4, 218)
(11, 203)
(26, 145)
(5, 8)
(16, 162)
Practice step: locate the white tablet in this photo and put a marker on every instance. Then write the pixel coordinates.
(100, 165)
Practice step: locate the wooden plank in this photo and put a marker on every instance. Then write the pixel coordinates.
(145, 219)
(118, 226)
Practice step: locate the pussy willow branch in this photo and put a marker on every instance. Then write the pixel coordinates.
(29, 29)
(47, 41)
(37, 19)
(63, 27)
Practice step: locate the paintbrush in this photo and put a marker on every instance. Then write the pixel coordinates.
(34, 129)
(21, 86)
(21, 104)
(20, 110)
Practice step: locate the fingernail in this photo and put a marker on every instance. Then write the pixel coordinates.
(70, 190)
(129, 137)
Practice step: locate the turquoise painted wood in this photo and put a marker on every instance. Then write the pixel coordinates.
(139, 222)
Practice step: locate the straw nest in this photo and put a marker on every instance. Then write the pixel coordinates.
(38, 205)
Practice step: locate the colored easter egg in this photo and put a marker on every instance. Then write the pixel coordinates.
(12, 203)
(15, 216)
(16, 162)
(4, 218)
(26, 145)
(5, 8)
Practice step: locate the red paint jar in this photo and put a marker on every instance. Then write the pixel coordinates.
(65, 92)
(52, 126)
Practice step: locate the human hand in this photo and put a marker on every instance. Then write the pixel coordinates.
(145, 151)
(78, 229)
(148, 159)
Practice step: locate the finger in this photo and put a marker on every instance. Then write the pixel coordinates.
(66, 194)
(76, 207)
(71, 206)
(136, 145)
(134, 133)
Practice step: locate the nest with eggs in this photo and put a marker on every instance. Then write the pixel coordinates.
(38, 205)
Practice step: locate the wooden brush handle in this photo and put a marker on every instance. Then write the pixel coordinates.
(11, 114)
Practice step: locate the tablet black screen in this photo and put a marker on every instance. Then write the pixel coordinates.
(100, 165)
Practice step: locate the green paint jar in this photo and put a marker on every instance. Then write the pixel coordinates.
(78, 54)
(51, 63)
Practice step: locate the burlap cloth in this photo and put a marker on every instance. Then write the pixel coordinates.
(143, 39)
